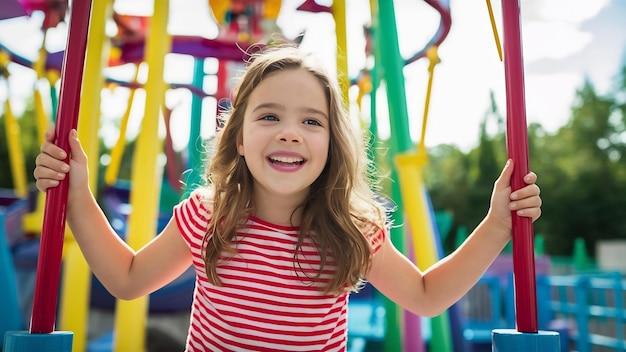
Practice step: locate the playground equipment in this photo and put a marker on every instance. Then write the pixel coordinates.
(588, 309)
(407, 171)
(409, 193)
(585, 308)
(77, 273)
(134, 51)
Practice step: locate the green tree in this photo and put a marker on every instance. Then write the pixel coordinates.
(461, 184)
(581, 167)
(586, 193)
(445, 177)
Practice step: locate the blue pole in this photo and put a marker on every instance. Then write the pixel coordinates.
(24, 341)
(510, 340)
(12, 209)
(194, 145)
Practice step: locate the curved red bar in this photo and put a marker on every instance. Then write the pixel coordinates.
(443, 7)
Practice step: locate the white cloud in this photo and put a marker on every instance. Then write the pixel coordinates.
(553, 40)
(573, 11)
(549, 98)
(552, 29)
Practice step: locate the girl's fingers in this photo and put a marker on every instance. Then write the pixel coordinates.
(525, 192)
(505, 176)
(50, 165)
(53, 150)
(44, 184)
(527, 207)
(526, 203)
(46, 161)
(50, 135)
(530, 178)
(47, 178)
(44, 173)
(78, 154)
(533, 213)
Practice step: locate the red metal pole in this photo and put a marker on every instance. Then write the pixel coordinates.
(53, 228)
(517, 144)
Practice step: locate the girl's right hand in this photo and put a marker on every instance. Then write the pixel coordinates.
(51, 167)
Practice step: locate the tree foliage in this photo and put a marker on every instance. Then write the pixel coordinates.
(581, 168)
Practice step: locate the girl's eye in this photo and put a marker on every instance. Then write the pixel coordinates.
(313, 122)
(269, 118)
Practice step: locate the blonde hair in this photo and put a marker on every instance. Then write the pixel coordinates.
(340, 213)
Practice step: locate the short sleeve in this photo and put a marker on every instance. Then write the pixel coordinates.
(374, 234)
(376, 240)
(192, 216)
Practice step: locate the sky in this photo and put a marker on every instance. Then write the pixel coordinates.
(564, 43)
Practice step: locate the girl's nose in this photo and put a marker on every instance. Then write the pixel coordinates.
(289, 134)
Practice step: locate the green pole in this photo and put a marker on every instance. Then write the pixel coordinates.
(393, 314)
(195, 145)
(400, 141)
(580, 256)
(391, 60)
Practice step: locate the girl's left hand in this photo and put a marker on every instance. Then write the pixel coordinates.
(524, 202)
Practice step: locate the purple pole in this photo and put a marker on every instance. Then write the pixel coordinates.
(517, 144)
(53, 230)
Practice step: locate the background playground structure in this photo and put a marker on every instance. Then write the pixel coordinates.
(211, 63)
(130, 317)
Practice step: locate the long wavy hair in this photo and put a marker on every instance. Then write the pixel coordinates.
(340, 213)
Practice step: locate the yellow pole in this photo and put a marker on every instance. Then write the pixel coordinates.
(43, 122)
(219, 9)
(33, 221)
(12, 132)
(131, 316)
(494, 28)
(272, 9)
(339, 15)
(76, 283)
(112, 171)
(16, 154)
(412, 187)
(433, 59)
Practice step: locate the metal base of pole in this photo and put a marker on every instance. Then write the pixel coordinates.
(509, 340)
(24, 341)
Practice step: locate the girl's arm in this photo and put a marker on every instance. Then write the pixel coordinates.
(126, 274)
(431, 292)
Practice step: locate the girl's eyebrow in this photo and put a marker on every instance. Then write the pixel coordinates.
(282, 107)
(275, 106)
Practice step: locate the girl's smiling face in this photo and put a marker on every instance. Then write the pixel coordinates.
(286, 134)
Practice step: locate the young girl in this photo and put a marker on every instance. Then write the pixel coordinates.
(287, 226)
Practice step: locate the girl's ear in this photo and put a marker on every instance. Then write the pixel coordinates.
(240, 150)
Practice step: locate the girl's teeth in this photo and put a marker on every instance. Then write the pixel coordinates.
(287, 160)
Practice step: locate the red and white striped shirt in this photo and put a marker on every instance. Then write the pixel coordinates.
(263, 304)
